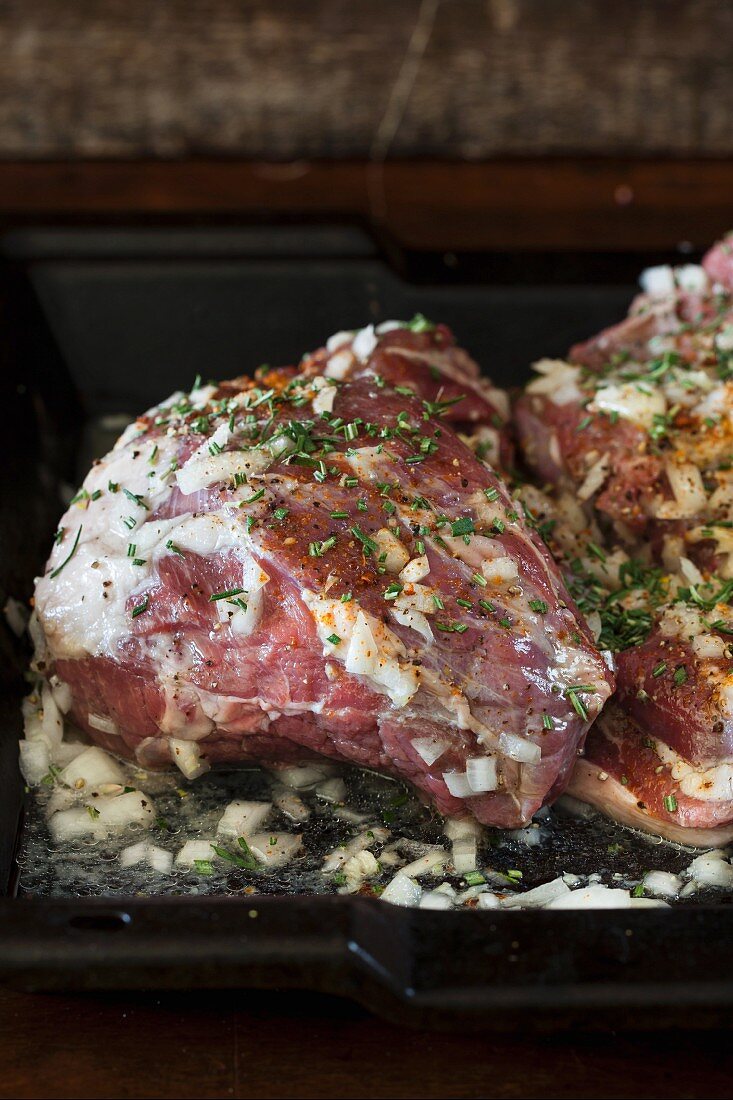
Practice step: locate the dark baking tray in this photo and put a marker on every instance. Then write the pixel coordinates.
(109, 320)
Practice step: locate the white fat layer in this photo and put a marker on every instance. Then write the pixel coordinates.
(203, 468)
(84, 609)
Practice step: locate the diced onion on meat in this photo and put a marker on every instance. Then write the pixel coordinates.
(481, 774)
(364, 343)
(519, 748)
(595, 477)
(709, 645)
(429, 749)
(687, 487)
(396, 554)
(416, 569)
(500, 571)
(207, 469)
(630, 402)
(558, 380)
(458, 785)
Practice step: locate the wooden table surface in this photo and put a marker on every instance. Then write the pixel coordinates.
(255, 1044)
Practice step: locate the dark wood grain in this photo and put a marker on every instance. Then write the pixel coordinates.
(532, 204)
(256, 1044)
(338, 78)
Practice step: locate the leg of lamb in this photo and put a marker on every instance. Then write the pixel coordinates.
(635, 431)
(319, 561)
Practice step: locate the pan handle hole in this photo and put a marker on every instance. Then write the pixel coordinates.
(100, 922)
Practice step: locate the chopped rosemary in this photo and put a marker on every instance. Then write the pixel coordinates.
(67, 559)
(227, 595)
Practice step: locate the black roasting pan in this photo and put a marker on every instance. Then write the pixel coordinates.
(108, 320)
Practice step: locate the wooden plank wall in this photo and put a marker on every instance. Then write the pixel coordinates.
(284, 79)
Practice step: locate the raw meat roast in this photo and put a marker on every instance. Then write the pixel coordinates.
(634, 435)
(321, 561)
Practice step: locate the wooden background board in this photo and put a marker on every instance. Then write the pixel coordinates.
(282, 79)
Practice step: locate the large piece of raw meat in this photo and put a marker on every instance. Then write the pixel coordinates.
(320, 561)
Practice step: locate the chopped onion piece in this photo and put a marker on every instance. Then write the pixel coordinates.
(91, 768)
(519, 748)
(539, 897)
(455, 828)
(242, 818)
(658, 281)
(463, 854)
(101, 722)
(118, 812)
(595, 896)
(458, 785)
(290, 804)
(186, 755)
(434, 899)
(193, 851)
(488, 900)
(402, 891)
(663, 883)
(429, 749)
(52, 721)
(359, 867)
(431, 863)
(530, 835)
(481, 774)
(274, 849)
(415, 570)
(134, 854)
(34, 761)
(332, 790)
(159, 859)
(336, 859)
(301, 778)
(711, 869)
(364, 343)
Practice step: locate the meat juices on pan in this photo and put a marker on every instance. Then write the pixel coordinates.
(317, 562)
(638, 427)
